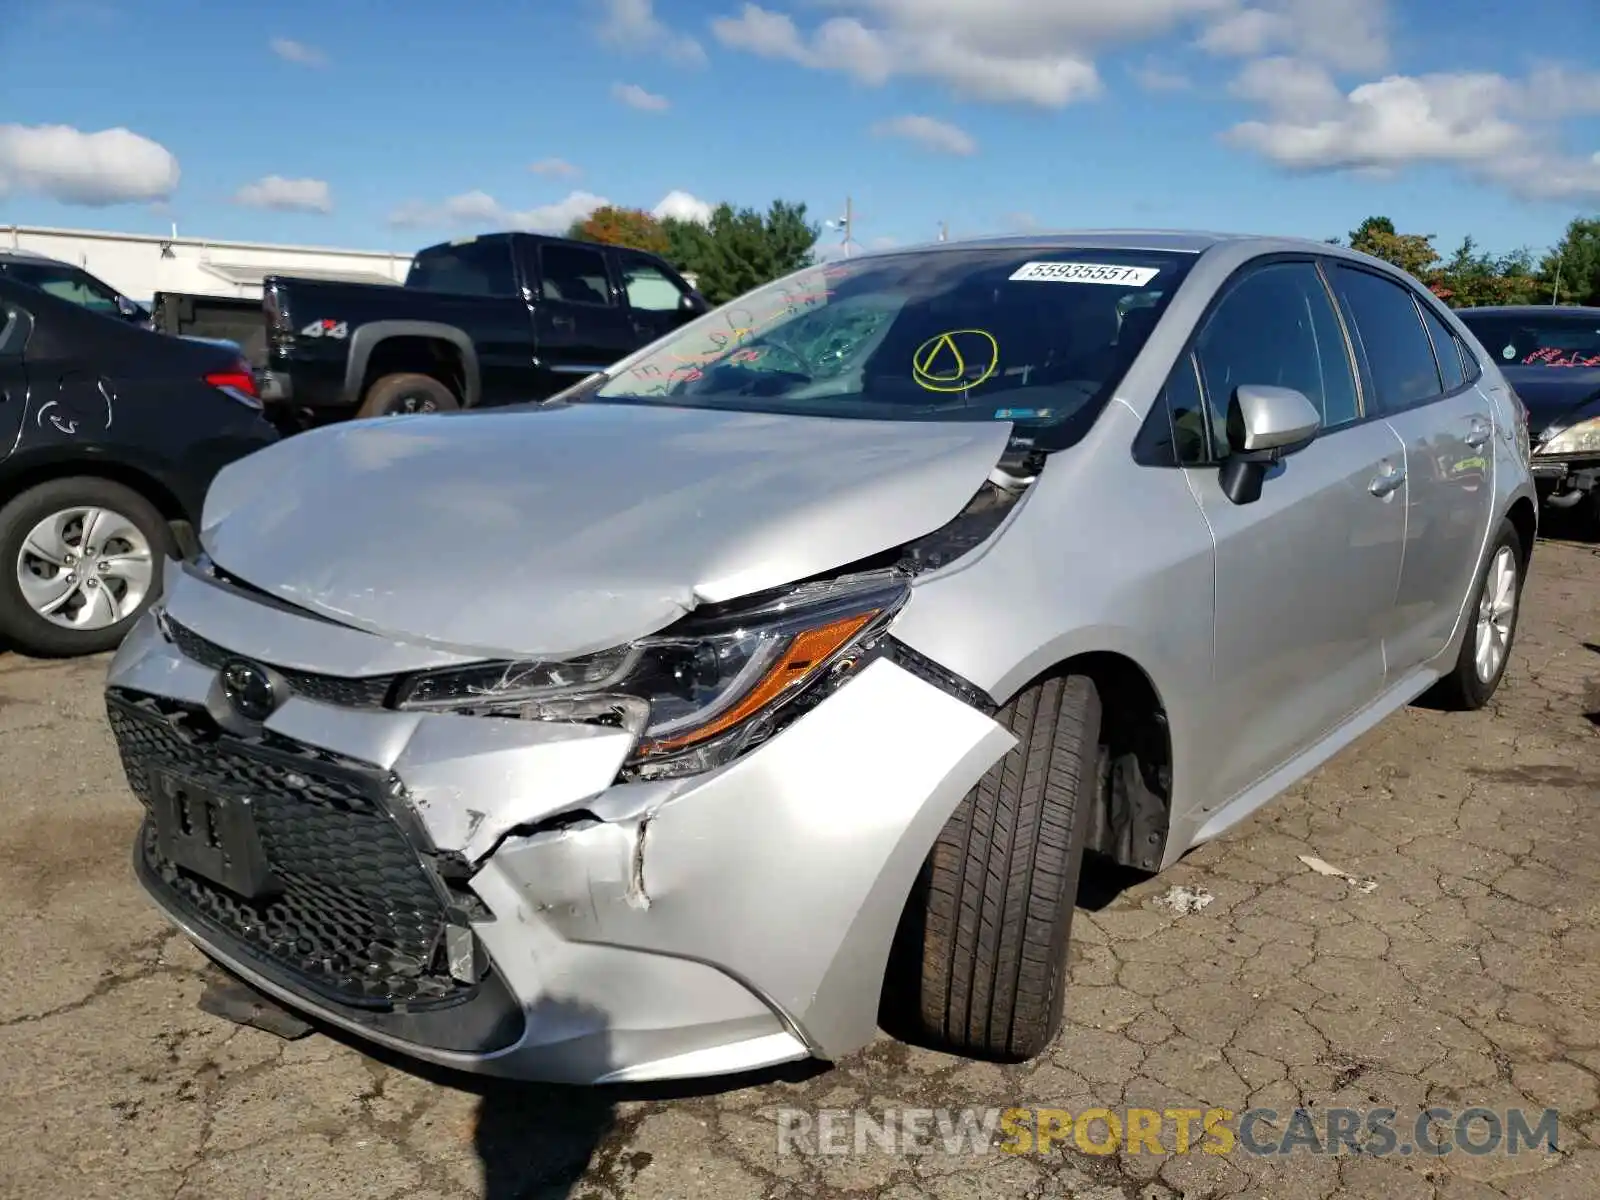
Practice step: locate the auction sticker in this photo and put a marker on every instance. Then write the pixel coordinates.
(1077, 272)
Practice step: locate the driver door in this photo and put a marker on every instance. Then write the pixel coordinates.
(1305, 576)
(657, 301)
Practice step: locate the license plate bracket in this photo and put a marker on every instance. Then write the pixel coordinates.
(212, 834)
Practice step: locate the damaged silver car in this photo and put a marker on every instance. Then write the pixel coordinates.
(772, 685)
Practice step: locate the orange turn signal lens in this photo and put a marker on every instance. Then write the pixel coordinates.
(808, 652)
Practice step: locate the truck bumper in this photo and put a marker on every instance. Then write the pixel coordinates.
(275, 387)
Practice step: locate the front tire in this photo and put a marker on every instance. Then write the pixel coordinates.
(80, 563)
(1491, 626)
(993, 907)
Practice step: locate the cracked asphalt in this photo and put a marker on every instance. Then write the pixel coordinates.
(1457, 965)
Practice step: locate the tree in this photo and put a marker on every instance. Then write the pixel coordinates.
(1571, 271)
(623, 227)
(1411, 252)
(741, 249)
(1471, 277)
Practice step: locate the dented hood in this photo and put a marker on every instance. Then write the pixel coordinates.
(564, 530)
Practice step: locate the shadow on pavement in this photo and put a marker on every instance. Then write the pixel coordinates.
(539, 1141)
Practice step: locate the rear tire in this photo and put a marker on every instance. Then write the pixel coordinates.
(25, 629)
(404, 394)
(1468, 687)
(995, 899)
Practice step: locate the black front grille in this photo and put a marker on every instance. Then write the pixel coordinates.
(369, 692)
(358, 919)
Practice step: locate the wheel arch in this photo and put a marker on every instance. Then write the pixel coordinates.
(1524, 518)
(379, 339)
(1132, 815)
(19, 477)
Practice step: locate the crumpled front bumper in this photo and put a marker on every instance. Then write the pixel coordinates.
(693, 927)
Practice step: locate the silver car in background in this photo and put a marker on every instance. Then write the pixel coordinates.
(777, 680)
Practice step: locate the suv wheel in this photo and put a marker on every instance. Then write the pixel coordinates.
(983, 946)
(398, 395)
(80, 562)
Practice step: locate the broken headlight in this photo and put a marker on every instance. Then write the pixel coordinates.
(694, 695)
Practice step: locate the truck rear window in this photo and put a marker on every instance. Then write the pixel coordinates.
(469, 269)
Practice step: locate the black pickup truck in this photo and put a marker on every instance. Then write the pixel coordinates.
(495, 319)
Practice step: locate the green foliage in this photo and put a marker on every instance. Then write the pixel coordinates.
(740, 249)
(1572, 270)
(1472, 277)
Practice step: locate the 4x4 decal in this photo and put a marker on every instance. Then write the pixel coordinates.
(327, 328)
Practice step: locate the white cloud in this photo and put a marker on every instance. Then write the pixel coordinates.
(1017, 51)
(632, 25)
(682, 206)
(480, 211)
(1351, 35)
(555, 168)
(1484, 124)
(635, 96)
(298, 52)
(112, 166)
(286, 195)
(929, 133)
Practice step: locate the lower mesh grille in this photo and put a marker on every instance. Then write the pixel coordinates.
(357, 918)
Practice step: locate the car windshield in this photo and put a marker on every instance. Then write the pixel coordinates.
(1038, 337)
(1537, 340)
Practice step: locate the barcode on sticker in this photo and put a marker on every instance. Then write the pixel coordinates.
(1077, 272)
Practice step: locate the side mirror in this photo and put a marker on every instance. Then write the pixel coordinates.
(1265, 425)
(129, 309)
(693, 304)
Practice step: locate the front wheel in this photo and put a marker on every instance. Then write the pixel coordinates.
(1491, 626)
(986, 932)
(80, 562)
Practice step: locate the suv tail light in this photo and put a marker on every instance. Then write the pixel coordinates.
(237, 383)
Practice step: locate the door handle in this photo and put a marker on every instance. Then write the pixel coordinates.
(1478, 434)
(1387, 480)
(561, 322)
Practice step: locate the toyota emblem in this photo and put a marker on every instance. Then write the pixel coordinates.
(249, 689)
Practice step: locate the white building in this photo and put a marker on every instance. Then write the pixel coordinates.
(140, 265)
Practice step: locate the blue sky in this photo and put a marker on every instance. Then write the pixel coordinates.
(392, 125)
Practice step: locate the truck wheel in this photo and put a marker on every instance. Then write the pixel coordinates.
(394, 395)
(996, 897)
(80, 562)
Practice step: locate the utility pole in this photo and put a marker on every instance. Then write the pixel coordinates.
(944, 231)
(1555, 290)
(845, 223)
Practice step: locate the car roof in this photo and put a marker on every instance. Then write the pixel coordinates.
(29, 257)
(1535, 310)
(1176, 241)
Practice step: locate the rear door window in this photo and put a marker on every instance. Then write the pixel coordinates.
(68, 284)
(1451, 372)
(1389, 330)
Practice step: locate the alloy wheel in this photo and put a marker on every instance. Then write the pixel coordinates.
(1497, 611)
(85, 568)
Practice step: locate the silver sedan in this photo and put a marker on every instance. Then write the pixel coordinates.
(780, 678)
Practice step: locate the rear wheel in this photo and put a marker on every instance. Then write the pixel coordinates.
(400, 394)
(80, 562)
(1491, 627)
(988, 926)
